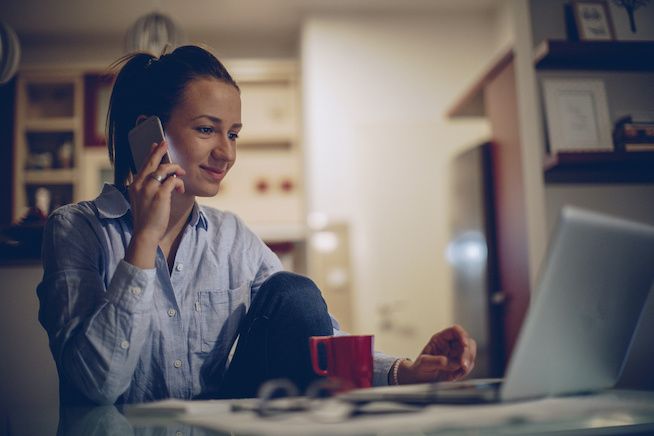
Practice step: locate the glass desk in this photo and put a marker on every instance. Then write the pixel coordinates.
(611, 412)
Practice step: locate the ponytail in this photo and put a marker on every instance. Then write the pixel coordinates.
(128, 101)
(147, 85)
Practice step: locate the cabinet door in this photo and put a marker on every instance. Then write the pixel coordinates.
(269, 113)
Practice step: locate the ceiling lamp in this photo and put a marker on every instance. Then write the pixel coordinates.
(152, 33)
(9, 53)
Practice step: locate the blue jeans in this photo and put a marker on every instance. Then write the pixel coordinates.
(274, 337)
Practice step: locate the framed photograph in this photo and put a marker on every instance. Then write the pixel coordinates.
(96, 171)
(593, 20)
(97, 92)
(577, 115)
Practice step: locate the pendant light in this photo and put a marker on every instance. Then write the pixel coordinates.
(152, 33)
(9, 53)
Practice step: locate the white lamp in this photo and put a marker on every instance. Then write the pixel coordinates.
(152, 33)
(9, 53)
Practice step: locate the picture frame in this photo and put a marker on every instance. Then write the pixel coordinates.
(97, 92)
(577, 115)
(96, 170)
(593, 20)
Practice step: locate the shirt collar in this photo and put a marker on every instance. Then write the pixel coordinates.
(197, 217)
(112, 203)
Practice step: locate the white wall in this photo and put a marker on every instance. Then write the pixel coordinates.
(377, 151)
(504, 23)
(99, 52)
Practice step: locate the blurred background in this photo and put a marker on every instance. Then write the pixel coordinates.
(396, 152)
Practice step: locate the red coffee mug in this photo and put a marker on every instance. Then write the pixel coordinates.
(349, 359)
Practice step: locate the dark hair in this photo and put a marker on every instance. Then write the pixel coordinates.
(147, 85)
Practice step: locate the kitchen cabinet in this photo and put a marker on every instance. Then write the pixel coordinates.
(47, 140)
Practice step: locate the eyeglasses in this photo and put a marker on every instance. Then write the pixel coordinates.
(280, 397)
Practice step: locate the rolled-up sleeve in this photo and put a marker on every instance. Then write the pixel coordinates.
(96, 332)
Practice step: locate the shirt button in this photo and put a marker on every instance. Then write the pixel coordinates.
(124, 345)
(179, 267)
(135, 290)
(171, 312)
(177, 363)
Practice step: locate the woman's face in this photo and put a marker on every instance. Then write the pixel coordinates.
(202, 132)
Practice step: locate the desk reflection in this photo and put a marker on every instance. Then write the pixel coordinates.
(87, 421)
(110, 421)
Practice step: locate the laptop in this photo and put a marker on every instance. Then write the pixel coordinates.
(593, 285)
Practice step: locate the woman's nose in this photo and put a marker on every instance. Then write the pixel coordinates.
(224, 149)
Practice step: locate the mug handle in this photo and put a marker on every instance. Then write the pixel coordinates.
(314, 341)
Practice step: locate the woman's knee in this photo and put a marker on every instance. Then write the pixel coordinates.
(297, 292)
(290, 283)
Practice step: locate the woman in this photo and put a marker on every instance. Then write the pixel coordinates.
(145, 292)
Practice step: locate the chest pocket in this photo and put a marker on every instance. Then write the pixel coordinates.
(219, 315)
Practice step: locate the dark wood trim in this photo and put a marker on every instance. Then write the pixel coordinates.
(496, 315)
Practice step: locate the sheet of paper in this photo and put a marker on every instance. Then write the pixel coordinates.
(177, 407)
(611, 408)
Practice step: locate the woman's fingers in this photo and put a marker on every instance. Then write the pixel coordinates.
(155, 189)
(454, 334)
(431, 363)
(160, 175)
(154, 159)
(167, 169)
(172, 184)
(449, 355)
(469, 355)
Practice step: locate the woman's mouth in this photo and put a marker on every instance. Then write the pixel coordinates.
(214, 173)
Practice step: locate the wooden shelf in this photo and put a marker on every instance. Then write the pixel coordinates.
(56, 177)
(51, 124)
(595, 55)
(600, 167)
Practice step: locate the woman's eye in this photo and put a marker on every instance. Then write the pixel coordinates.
(233, 136)
(205, 130)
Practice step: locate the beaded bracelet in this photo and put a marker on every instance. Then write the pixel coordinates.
(394, 370)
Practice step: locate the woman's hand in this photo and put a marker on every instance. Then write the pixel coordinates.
(150, 203)
(449, 355)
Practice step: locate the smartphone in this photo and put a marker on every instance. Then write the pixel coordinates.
(141, 138)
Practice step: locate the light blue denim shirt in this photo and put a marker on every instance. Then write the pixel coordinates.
(120, 333)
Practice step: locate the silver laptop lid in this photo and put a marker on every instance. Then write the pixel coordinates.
(593, 285)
